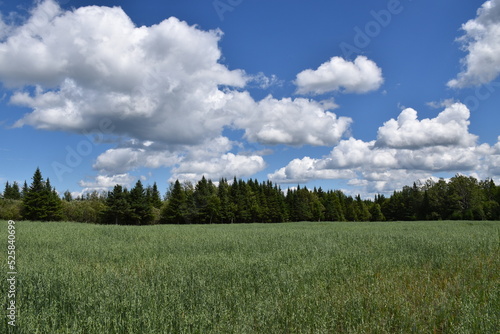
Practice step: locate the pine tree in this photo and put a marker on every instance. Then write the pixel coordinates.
(223, 194)
(33, 208)
(117, 207)
(67, 196)
(376, 213)
(53, 206)
(363, 212)
(201, 195)
(6, 190)
(40, 201)
(156, 197)
(175, 211)
(140, 209)
(25, 189)
(12, 191)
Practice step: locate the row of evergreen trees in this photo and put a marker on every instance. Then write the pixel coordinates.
(250, 201)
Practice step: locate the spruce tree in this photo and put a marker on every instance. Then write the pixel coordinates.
(141, 210)
(175, 210)
(155, 197)
(223, 194)
(11, 191)
(201, 196)
(33, 208)
(67, 196)
(25, 189)
(40, 201)
(376, 213)
(118, 208)
(53, 205)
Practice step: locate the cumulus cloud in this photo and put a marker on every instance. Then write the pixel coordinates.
(386, 181)
(161, 85)
(103, 182)
(306, 169)
(120, 160)
(400, 154)
(449, 128)
(274, 121)
(361, 76)
(155, 83)
(228, 165)
(481, 41)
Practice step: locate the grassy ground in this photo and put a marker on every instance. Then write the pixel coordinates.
(410, 277)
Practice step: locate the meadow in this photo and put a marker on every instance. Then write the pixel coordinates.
(377, 277)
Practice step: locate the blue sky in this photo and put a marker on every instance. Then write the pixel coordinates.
(363, 96)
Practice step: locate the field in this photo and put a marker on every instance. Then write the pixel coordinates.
(400, 277)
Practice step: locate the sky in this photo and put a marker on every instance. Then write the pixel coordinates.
(361, 96)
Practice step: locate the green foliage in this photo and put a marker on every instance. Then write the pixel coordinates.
(41, 201)
(12, 191)
(84, 211)
(175, 211)
(410, 277)
(462, 198)
(11, 209)
(118, 208)
(153, 196)
(141, 212)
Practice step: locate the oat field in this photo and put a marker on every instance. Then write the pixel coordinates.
(388, 277)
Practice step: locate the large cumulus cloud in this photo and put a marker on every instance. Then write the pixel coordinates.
(449, 128)
(163, 85)
(406, 149)
(481, 41)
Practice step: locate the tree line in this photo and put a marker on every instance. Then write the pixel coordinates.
(240, 201)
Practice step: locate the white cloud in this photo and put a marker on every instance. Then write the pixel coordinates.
(482, 44)
(439, 158)
(163, 85)
(386, 181)
(361, 76)
(306, 169)
(125, 159)
(274, 121)
(228, 165)
(400, 155)
(104, 182)
(262, 81)
(354, 153)
(449, 128)
(154, 83)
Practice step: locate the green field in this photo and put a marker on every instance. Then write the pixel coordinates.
(399, 277)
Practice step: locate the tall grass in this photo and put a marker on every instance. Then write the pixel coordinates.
(411, 277)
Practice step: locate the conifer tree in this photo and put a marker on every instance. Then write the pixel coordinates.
(140, 209)
(223, 194)
(117, 207)
(24, 190)
(67, 196)
(376, 213)
(40, 201)
(156, 197)
(53, 206)
(175, 210)
(11, 191)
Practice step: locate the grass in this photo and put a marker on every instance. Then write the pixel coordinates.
(409, 277)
